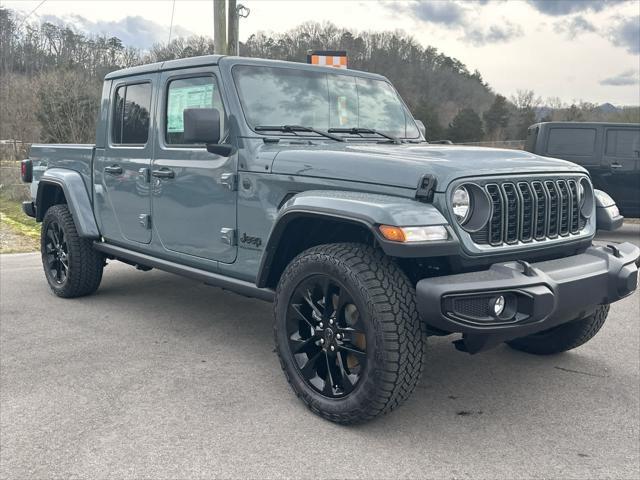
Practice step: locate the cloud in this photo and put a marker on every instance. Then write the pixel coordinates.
(133, 31)
(574, 27)
(626, 78)
(627, 34)
(442, 12)
(494, 34)
(456, 16)
(567, 7)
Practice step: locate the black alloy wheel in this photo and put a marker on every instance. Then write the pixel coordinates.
(56, 253)
(72, 266)
(347, 332)
(327, 337)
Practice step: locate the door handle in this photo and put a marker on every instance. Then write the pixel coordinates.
(163, 173)
(113, 169)
(615, 166)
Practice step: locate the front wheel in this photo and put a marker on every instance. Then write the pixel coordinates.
(347, 332)
(72, 267)
(563, 337)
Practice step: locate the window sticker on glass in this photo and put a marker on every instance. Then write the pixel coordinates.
(343, 112)
(181, 98)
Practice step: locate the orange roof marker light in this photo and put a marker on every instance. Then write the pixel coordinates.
(328, 58)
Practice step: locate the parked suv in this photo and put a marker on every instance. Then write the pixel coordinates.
(609, 151)
(313, 188)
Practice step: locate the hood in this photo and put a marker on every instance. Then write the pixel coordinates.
(404, 165)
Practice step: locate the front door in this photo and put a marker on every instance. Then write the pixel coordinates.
(193, 191)
(123, 200)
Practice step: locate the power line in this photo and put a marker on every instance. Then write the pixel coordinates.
(173, 8)
(30, 13)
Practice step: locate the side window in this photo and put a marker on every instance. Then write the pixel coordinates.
(130, 123)
(118, 108)
(571, 141)
(183, 93)
(623, 143)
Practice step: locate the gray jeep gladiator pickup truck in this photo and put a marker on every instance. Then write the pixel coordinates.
(313, 188)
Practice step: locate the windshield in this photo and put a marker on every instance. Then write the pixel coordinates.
(321, 100)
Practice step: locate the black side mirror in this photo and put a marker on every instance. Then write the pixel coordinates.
(223, 149)
(201, 125)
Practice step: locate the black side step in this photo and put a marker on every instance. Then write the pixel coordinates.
(240, 287)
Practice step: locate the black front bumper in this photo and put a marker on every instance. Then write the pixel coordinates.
(537, 296)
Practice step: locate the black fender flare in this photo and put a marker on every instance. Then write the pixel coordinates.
(367, 211)
(78, 199)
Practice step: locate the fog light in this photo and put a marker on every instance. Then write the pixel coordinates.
(497, 304)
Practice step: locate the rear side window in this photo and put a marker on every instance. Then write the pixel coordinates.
(571, 141)
(623, 143)
(183, 93)
(130, 125)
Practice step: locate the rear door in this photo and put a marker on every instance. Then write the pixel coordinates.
(194, 193)
(123, 200)
(622, 163)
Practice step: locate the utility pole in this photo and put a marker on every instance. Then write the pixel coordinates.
(219, 27)
(234, 25)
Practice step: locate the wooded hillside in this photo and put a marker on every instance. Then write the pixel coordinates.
(51, 78)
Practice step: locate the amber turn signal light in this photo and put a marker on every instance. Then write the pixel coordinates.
(429, 233)
(393, 234)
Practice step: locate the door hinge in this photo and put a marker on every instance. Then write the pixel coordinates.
(230, 180)
(145, 174)
(228, 236)
(145, 220)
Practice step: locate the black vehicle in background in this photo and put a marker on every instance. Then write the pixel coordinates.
(610, 151)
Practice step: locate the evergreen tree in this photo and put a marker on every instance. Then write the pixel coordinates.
(429, 116)
(466, 127)
(496, 118)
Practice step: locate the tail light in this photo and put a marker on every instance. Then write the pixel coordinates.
(26, 171)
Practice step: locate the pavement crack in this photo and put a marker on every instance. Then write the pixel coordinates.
(581, 373)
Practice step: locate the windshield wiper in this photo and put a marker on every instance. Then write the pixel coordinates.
(360, 131)
(294, 129)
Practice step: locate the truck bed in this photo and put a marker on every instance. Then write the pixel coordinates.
(72, 156)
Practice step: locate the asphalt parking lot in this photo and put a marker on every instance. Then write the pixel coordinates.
(157, 376)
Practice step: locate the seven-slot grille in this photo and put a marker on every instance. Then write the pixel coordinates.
(523, 211)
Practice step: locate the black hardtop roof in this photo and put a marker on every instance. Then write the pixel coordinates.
(585, 124)
(216, 59)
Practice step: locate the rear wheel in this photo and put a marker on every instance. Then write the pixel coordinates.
(347, 332)
(563, 337)
(71, 265)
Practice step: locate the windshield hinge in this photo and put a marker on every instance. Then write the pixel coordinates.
(426, 188)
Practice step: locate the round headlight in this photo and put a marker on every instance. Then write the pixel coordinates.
(581, 196)
(585, 191)
(461, 204)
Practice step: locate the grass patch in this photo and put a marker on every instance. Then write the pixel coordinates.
(18, 232)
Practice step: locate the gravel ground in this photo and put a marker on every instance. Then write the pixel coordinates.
(157, 376)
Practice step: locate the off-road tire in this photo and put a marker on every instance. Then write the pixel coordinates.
(395, 346)
(563, 337)
(85, 264)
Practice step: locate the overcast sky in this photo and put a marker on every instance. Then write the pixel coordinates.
(573, 49)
